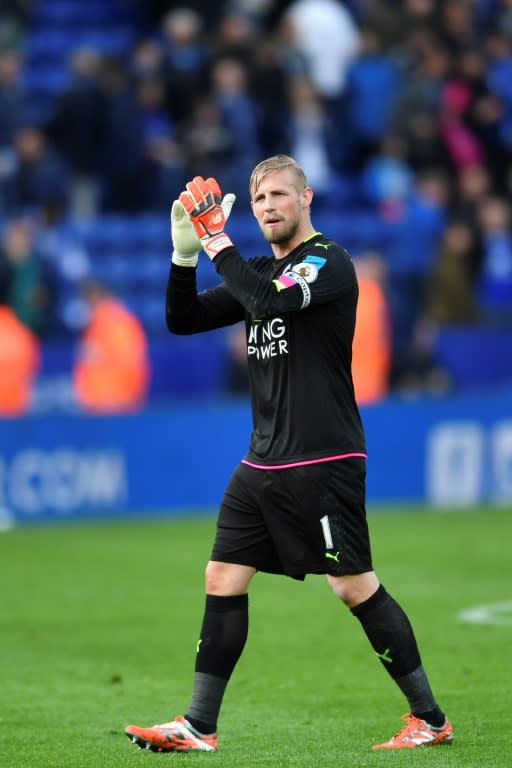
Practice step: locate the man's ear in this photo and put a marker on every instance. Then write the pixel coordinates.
(307, 197)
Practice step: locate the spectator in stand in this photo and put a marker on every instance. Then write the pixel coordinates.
(147, 59)
(156, 10)
(162, 170)
(471, 186)
(41, 178)
(293, 60)
(504, 21)
(371, 347)
(424, 147)
(461, 142)
(19, 360)
(494, 283)
(12, 96)
(499, 82)
(373, 80)
(420, 372)
(410, 255)
(12, 110)
(206, 142)
(77, 129)
(64, 256)
(30, 287)
(398, 24)
(456, 26)
(112, 372)
(230, 92)
(236, 37)
(13, 23)
(327, 36)
(121, 150)
(484, 112)
(450, 293)
(469, 189)
(313, 138)
(267, 66)
(422, 88)
(387, 180)
(185, 60)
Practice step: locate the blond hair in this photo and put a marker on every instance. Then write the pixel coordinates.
(274, 164)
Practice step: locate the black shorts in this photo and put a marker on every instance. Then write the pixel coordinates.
(309, 519)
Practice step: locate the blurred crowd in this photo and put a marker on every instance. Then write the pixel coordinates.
(398, 108)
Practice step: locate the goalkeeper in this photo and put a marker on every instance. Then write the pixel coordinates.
(295, 505)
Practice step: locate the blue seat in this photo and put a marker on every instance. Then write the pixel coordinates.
(458, 349)
(70, 13)
(51, 79)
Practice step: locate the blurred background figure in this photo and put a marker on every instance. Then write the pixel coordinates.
(371, 348)
(30, 287)
(206, 142)
(312, 138)
(163, 171)
(12, 97)
(185, 59)
(325, 33)
(122, 188)
(19, 359)
(77, 128)
(495, 278)
(112, 371)
(450, 297)
(239, 112)
(374, 81)
(40, 178)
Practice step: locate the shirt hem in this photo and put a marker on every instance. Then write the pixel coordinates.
(354, 455)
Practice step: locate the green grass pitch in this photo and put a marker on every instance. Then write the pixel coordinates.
(99, 623)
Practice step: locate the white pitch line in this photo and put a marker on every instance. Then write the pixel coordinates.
(494, 614)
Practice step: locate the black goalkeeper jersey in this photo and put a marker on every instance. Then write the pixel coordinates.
(299, 313)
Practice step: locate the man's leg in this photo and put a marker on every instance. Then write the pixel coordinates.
(392, 638)
(221, 642)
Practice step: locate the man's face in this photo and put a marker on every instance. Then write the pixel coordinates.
(279, 206)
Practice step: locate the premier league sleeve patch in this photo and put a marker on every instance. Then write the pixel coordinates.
(308, 269)
(301, 274)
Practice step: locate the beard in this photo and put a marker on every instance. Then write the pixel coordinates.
(284, 232)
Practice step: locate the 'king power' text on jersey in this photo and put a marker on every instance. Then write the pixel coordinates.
(299, 313)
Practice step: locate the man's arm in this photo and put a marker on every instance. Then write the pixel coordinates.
(325, 277)
(318, 280)
(188, 312)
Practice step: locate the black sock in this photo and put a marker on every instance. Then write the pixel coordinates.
(434, 717)
(221, 642)
(392, 638)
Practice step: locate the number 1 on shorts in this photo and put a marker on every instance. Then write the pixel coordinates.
(326, 528)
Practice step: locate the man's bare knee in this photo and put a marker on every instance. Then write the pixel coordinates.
(224, 579)
(354, 589)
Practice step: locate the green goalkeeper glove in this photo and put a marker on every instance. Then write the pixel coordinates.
(202, 202)
(186, 243)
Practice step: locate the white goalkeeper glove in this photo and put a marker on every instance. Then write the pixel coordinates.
(185, 240)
